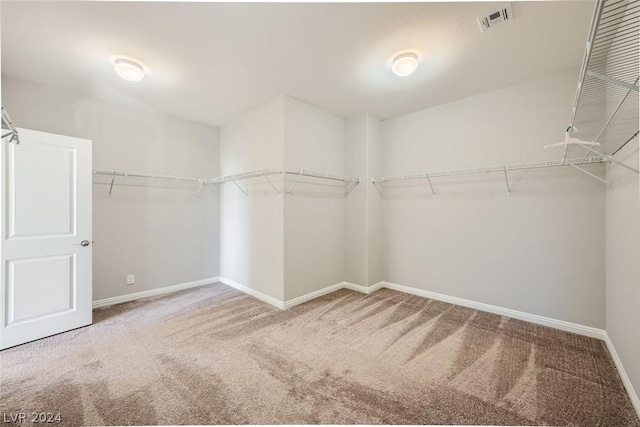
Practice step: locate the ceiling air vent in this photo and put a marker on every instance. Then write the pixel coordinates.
(495, 17)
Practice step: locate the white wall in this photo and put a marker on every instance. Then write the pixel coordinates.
(539, 250)
(623, 253)
(251, 227)
(375, 253)
(162, 235)
(363, 236)
(314, 226)
(356, 233)
(283, 245)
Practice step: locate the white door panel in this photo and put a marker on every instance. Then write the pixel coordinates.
(46, 206)
(53, 193)
(39, 287)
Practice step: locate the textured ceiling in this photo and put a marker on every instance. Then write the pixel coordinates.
(209, 62)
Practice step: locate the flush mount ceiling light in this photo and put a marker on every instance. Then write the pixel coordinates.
(404, 64)
(128, 70)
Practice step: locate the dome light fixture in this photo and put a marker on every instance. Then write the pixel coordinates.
(129, 70)
(404, 64)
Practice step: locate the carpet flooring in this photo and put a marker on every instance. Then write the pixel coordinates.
(212, 355)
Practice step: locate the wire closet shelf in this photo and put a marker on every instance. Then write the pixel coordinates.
(605, 108)
(200, 181)
(118, 174)
(504, 169)
(7, 125)
(265, 173)
(350, 182)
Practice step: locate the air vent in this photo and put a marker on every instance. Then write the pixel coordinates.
(495, 17)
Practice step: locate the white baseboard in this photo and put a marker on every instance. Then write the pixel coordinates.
(377, 286)
(363, 289)
(332, 288)
(354, 287)
(623, 374)
(284, 305)
(152, 292)
(313, 295)
(533, 318)
(247, 290)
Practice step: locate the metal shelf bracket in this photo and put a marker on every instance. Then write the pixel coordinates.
(7, 124)
(113, 178)
(506, 180)
(244, 176)
(246, 193)
(202, 182)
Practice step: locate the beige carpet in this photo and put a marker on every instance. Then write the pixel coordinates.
(213, 355)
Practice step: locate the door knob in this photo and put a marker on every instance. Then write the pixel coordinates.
(83, 243)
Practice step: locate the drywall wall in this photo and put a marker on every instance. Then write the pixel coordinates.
(374, 202)
(363, 247)
(251, 226)
(622, 266)
(314, 220)
(539, 250)
(283, 245)
(161, 234)
(356, 233)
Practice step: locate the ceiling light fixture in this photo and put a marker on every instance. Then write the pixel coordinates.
(129, 70)
(404, 64)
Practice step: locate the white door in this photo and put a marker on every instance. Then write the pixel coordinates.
(45, 236)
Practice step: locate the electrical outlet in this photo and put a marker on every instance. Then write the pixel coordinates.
(130, 279)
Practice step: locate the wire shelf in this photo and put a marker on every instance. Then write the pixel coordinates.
(492, 169)
(606, 104)
(350, 182)
(167, 178)
(504, 169)
(264, 173)
(201, 181)
(110, 173)
(242, 176)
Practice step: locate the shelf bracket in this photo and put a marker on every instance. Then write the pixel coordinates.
(295, 182)
(246, 193)
(270, 182)
(608, 158)
(506, 180)
(200, 188)
(433, 192)
(351, 186)
(589, 173)
(13, 132)
(613, 115)
(611, 80)
(113, 178)
(14, 137)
